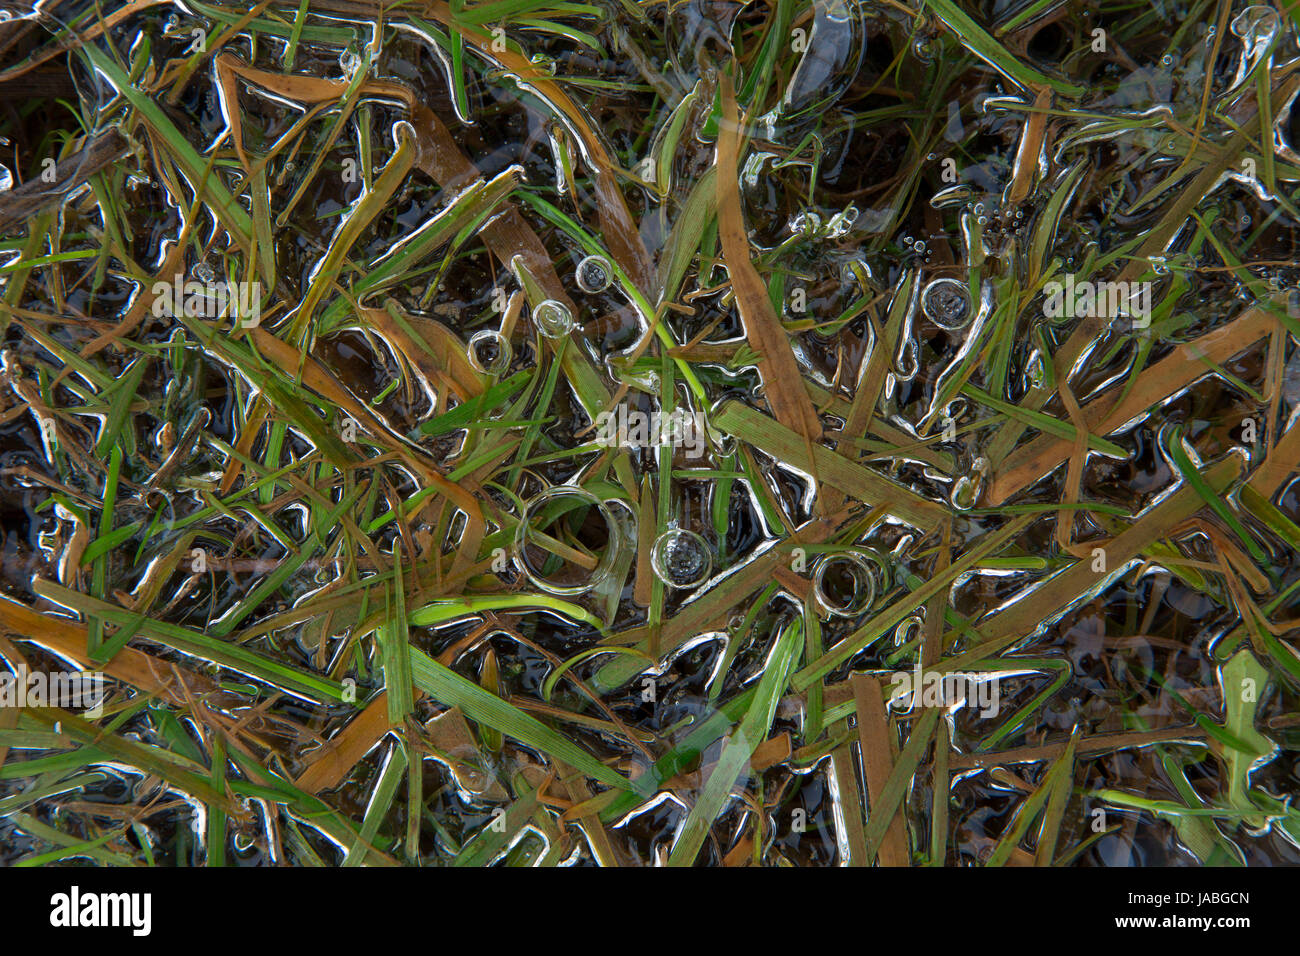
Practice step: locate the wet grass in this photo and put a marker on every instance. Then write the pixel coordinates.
(311, 536)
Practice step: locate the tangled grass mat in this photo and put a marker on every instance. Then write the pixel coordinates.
(713, 433)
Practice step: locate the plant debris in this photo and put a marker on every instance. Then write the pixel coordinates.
(547, 432)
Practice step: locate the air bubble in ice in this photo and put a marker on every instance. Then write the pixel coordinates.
(841, 222)
(946, 303)
(553, 319)
(807, 224)
(845, 584)
(593, 274)
(489, 352)
(681, 558)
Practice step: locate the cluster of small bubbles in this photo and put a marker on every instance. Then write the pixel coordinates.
(553, 319)
(204, 272)
(594, 274)
(946, 303)
(681, 558)
(489, 352)
(172, 23)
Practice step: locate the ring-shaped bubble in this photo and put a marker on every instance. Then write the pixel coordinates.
(525, 532)
(833, 573)
(946, 303)
(681, 558)
(497, 349)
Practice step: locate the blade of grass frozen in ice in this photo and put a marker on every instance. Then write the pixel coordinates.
(738, 747)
